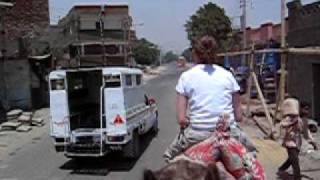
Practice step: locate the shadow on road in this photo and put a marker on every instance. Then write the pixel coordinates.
(103, 166)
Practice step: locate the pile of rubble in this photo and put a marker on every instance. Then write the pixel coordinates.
(20, 121)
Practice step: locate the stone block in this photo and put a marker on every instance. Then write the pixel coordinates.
(10, 125)
(24, 128)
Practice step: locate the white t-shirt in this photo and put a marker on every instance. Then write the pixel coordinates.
(209, 90)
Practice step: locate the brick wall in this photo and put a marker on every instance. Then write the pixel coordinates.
(26, 17)
(304, 24)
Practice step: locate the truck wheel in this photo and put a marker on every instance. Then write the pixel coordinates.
(155, 127)
(59, 148)
(132, 149)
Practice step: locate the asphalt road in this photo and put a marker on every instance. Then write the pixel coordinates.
(39, 161)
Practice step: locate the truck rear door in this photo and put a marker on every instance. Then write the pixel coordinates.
(114, 105)
(59, 110)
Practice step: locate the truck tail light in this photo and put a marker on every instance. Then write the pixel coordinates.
(152, 101)
(118, 120)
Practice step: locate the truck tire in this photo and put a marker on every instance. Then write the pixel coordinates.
(132, 149)
(59, 148)
(155, 127)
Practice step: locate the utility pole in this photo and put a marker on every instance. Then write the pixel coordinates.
(101, 22)
(283, 23)
(243, 5)
(283, 55)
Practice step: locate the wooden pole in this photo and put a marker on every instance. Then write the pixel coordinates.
(302, 51)
(282, 87)
(264, 104)
(244, 28)
(249, 87)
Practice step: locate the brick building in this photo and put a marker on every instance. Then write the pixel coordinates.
(303, 70)
(262, 35)
(26, 18)
(21, 26)
(267, 35)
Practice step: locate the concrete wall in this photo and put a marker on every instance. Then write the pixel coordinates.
(302, 81)
(15, 84)
(304, 31)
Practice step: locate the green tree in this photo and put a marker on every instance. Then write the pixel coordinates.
(170, 56)
(145, 52)
(210, 20)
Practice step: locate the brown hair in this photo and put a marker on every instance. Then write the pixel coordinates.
(205, 48)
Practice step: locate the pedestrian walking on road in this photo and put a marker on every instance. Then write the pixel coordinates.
(204, 93)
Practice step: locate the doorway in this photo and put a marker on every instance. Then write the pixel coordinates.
(316, 91)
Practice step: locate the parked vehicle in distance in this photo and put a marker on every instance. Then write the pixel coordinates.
(98, 110)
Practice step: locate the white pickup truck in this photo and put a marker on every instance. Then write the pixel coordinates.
(98, 110)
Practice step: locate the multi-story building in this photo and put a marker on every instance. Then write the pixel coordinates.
(86, 29)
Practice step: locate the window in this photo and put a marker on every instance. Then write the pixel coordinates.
(128, 80)
(112, 49)
(112, 81)
(93, 49)
(138, 79)
(57, 84)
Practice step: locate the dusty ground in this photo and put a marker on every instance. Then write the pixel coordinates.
(272, 154)
(12, 141)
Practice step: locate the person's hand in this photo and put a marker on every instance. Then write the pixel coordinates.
(184, 123)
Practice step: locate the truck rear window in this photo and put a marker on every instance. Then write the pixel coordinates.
(57, 84)
(112, 81)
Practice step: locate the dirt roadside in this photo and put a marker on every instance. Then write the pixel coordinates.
(12, 141)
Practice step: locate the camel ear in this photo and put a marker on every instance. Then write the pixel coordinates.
(148, 175)
(212, 173)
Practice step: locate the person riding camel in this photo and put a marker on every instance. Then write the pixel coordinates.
(204, 93)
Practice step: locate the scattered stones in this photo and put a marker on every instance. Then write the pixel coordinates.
(313, 126)
(37, 122)
(13, 114)
(28, 113)
(10, 125)
(315, 156)
(24, 128)
(24, 119)
(20, 121)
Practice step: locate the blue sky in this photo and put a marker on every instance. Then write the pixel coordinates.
(163, 20)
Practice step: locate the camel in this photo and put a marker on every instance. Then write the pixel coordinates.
(184, 169)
